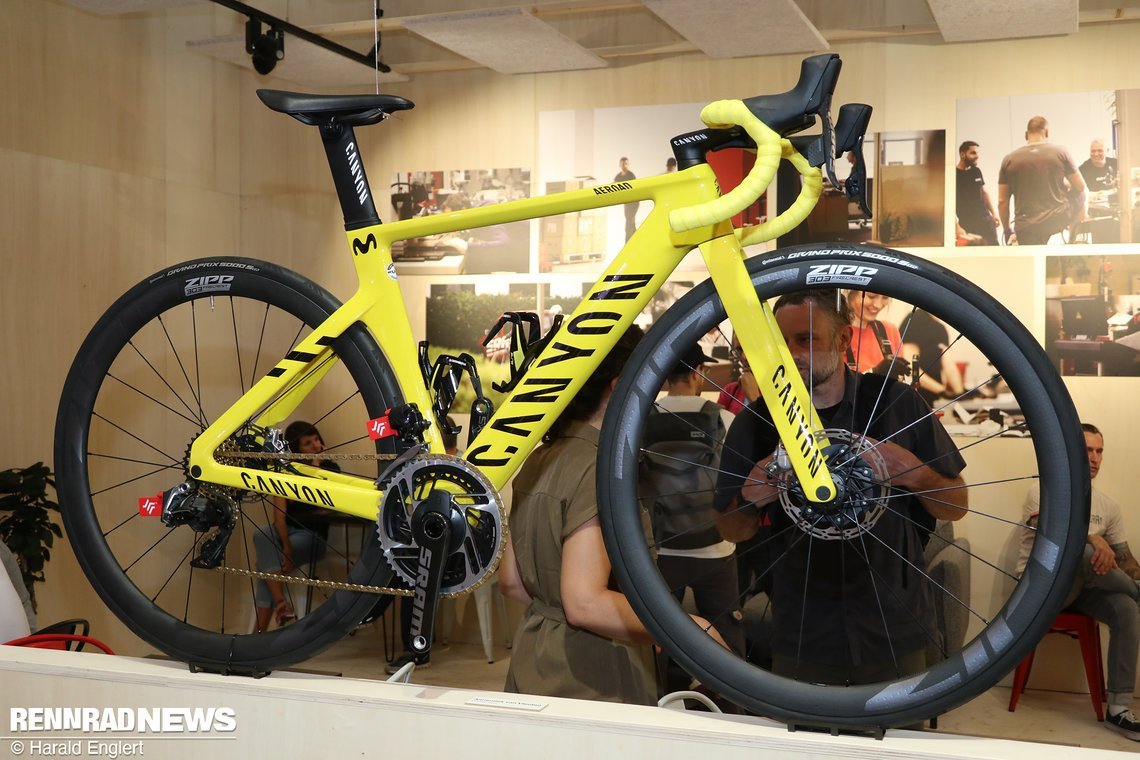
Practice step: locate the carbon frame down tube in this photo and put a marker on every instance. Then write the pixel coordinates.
(586, 337)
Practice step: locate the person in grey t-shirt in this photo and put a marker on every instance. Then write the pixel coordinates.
(1047, 190)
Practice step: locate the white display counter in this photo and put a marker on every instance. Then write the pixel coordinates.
(298, 715)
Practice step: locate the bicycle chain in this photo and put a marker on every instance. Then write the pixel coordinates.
(315, 582)
(340, 585)
(292, 579)
(271, 455)
(335, 585)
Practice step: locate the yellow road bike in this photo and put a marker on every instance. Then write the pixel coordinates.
(169, 451)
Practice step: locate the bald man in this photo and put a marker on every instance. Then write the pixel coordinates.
(1042, 181)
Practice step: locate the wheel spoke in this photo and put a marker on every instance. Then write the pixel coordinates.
(237, 346)
(175, 460)
(177, 395)
(132, 460)
(804, 601)
(197, 358)
(177, 566)
(296, 385)
(329, 413)
(139, 426)
(862, 547)
(966, 510)
(957, 546)
(135, 479)
(936, 640)
(920, 420)
(260, 343)
(166, 534)
(185, 375)
(878, 602)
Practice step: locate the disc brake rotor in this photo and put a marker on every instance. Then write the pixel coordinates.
(860, 475)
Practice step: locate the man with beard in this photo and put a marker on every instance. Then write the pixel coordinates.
(1101, 176)
(976, 214)
(855, 610)
(1099, 170)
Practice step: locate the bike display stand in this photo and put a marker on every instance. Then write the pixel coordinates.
(307, 715)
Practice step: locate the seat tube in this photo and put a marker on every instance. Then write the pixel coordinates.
(348, 175)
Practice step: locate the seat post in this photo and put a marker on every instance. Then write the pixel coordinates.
(348, 175)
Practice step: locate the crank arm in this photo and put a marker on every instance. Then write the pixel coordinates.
(431, 529)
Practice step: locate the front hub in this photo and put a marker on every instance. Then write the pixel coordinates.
(861, 482)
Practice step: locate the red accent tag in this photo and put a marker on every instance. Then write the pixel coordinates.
(380, 428)
(150, 506)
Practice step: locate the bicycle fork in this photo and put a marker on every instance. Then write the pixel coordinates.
(781, 386)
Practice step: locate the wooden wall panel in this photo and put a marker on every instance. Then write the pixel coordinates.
(118, 156)
(83, 88)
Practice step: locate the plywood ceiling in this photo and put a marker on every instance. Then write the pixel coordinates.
(115, 7)
(426, 36)
(507, 40)
(720, 28)
(970, 20)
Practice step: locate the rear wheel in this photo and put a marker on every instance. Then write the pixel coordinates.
(1012, 422)
(166, 359)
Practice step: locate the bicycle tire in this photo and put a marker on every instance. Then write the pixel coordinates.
(1009, 632)
(115, 397)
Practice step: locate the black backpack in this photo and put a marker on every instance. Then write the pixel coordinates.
(678, 475)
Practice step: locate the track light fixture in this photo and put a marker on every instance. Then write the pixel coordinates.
(269, 48)
(265, 49)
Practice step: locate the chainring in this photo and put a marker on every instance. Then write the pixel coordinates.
(475, 553)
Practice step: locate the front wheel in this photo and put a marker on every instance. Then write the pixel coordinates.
(863, 613)
(164, 361)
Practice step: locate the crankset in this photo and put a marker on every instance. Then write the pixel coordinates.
(442, 530)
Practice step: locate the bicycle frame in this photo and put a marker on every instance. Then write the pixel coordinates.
(605, 313)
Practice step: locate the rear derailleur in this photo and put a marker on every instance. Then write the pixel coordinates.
(215, 513)
(211, 510)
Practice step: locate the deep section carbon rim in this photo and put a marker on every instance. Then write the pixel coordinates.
(1011, 421)
(162, 363)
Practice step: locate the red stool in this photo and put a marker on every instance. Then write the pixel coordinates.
(1086, 630)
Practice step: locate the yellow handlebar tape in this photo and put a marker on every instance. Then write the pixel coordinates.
(797, 212)
(720, 115)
